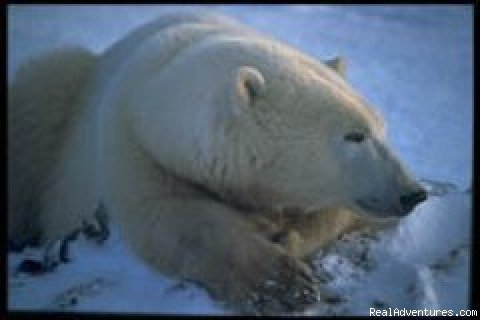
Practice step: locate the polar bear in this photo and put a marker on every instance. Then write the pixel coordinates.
(226, 157)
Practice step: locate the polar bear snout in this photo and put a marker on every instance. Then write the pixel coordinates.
(410, 200)
(400, 206)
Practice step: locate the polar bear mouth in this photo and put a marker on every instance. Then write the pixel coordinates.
(373, 206)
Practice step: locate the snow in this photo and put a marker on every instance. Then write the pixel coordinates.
(407, 267)
(410, 266)
(106, 278)
(413, 63)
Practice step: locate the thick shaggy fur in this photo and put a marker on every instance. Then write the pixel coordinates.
(218, 151)
(43, 104)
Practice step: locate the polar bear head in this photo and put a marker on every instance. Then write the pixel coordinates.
(264, 127)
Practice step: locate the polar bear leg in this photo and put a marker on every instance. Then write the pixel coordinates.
(212, 244)
(42, 100)
(303, 234)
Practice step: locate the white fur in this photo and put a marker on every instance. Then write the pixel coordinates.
(190, 122)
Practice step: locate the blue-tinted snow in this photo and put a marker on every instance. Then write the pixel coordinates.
(413, 63)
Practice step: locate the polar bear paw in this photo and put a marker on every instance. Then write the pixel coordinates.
(279, 285)
(290, 286)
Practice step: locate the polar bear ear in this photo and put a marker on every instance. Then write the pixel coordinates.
(338, 64)
(249, 84)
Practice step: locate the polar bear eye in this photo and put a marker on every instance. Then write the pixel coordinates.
(356, 137)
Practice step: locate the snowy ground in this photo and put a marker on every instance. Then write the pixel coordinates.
(410, 267)
(413, 63)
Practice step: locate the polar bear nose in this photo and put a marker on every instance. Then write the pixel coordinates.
(409, 201)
